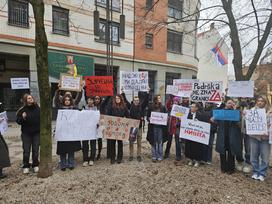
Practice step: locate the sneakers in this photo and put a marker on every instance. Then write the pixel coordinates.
(190, 163)
(91, 163)
(36, 169)
(197, 164)
(139, 159)
(247, 169)
(130, 158)
(239, 166)
(26, 171)
(261, 178)
(255, 177)
(85, 164)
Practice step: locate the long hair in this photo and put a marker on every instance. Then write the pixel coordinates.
(266, 104)
(156, 105)
(70, 98)
(24, 102)
(120, 105)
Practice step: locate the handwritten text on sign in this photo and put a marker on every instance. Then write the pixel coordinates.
(134, 81)
(180, 112)
(117, 128)
(99, 85)
(3, 122)
(70, 83)
(74, 125)
(185, 86)
(19, 83)
(256, 122)
(241, 89)
(207, 91)
(195, 131)
(158, 118)
(173, 90)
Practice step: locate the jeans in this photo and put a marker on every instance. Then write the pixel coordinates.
(210, 148)
(259, 155)
(178, 147)
(139, 144)
(85, 150)
(67, 163)
(112, 145)
(157, 146)
(31, 141)
(247, 148)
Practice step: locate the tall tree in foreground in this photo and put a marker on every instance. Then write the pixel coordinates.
(41, 46)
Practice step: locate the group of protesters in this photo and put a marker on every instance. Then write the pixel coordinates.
(237, 150)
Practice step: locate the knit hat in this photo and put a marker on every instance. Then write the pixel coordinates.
(176, 99)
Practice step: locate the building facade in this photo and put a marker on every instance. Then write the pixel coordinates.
(76, 31)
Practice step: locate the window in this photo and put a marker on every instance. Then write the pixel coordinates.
(60, 21)
(149, 40)
(114, 31)
(194, 77)
(115, 4)
(149, 4)
(175, 9)
(18, 13)
(174, 41)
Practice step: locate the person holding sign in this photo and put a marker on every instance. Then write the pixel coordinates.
(260, 147)
(156, 132)
(117, 108)
(66, 149)
(28, 116)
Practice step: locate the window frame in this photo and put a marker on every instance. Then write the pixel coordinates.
(112, 24)
(149, 5)
(63, 11)
(151, 36)
(18, 23)
(175, 34)
(104, 5)
(173, 5)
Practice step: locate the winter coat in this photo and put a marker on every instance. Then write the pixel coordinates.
(31, 124)
(4, 153)
(118, 112)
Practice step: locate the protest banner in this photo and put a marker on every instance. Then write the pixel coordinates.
(196, 131)
(241, 89)
(117, 128)
(19, 83)
(70, 83)
(180, 112)
(74, 125)
(185, 86)
(3, 122)
(207, 91)
(256, 122)
(158, 118)
(230, 115)
(99, 85)
(173, 90)
(134, 81)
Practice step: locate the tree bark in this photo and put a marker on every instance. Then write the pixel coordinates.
(41, 46)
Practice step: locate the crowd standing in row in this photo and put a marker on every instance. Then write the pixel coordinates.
(231, 141)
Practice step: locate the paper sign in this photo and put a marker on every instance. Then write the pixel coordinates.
(134, 81)
(207, 92)
(241, 89)
(19, 83)
(70, 83)
(256, 122)
(3, 122)
(99, 85)
(229, 115)
(185, 86)
(195, 131)
(158, 118)
(74, 125)
(180, 112)
(117, 128)
(173, 90)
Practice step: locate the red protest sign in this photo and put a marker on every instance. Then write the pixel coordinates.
(99, 85)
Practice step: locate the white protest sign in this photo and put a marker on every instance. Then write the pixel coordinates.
(196, 131)
(207, 91)
(134, 81)
(158, 118)
(70, 83)
(173, 90)
(19, 83)
(3, 122)
(256, 122)
(185, 86)
(74, 125)
(180, 112)
(241, 89)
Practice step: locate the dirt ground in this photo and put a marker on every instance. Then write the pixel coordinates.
(134, 182)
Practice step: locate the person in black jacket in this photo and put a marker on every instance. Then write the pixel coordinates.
(137, 111)
(117, 108)
(28, 117)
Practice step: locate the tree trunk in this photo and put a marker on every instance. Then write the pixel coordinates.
(41, 46)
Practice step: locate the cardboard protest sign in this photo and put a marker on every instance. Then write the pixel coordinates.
(195, 131)
(134, 81)
(158, 118)
(241, 89)
(230, 115)
(173, 90)
(3, 122)
(19, 83)
(185, 86)
(207, 91)
(74, 125)
(70, 83)
(256, 122)
(99, 85)
(117, 128)
(180, 112)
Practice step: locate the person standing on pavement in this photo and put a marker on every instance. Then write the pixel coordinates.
(28, 116)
